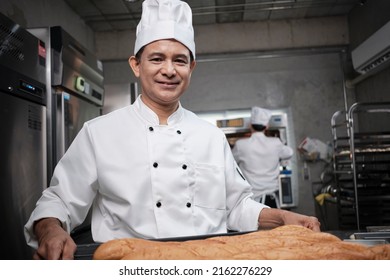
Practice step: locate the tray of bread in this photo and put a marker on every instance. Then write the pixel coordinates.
(288, 242)
(86, 251)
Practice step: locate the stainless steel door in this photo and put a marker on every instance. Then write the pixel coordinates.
(71, 112)
(22, 170)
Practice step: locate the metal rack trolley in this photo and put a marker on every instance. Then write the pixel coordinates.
(361, 162)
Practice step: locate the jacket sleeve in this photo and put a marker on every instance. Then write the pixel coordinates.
(72, 188)
(286, 152)
(243, 211)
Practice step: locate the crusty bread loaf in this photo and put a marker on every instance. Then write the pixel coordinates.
(283, 243)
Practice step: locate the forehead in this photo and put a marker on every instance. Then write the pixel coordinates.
(167, 46)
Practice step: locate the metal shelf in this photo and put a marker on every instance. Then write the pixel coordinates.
(361, 164)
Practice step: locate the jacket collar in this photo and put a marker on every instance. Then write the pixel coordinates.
(151, 117)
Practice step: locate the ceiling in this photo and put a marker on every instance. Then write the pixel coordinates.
(116, 15)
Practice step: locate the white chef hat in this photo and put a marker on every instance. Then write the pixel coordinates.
(260, 116)
(165, 19)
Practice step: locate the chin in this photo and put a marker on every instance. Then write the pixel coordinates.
(169, 98)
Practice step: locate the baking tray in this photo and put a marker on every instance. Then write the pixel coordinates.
(370, 238)
(372, 242)
(372, 235)
(85, 251)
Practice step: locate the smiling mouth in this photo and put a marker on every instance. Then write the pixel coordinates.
(168, 84)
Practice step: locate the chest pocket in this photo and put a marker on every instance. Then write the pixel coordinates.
(209, 188)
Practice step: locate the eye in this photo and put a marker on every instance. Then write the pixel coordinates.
(181, 61)
(156, 59)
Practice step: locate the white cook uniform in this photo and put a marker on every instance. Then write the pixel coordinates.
(258, 157)
(148, 180)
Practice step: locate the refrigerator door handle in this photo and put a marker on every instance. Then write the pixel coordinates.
(60, 98)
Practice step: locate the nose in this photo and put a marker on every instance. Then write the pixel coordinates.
(168, 69)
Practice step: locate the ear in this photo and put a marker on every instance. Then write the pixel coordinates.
(193, 64)
(134, 65)
(192, 67)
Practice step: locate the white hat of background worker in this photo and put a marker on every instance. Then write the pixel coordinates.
(260, 116)
(165, 19)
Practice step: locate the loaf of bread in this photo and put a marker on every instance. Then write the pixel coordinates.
(283, 243)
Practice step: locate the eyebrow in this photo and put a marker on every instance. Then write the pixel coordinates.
(180, 55)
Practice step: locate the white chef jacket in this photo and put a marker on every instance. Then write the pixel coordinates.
(147, 180)
(258, 157)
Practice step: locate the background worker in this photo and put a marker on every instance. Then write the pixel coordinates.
(259, 158)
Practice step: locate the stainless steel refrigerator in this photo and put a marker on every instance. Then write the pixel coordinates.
(75, 82)
(23, 151)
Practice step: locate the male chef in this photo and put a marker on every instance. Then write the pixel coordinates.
(259, 158)
(152, 169)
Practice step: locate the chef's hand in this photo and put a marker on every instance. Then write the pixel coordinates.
(54, 242)
(271, 218)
